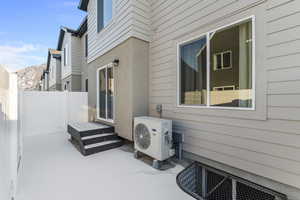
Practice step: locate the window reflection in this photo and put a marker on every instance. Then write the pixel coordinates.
(231, 66)
(193, 73)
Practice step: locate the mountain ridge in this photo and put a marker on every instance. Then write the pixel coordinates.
(29, 77)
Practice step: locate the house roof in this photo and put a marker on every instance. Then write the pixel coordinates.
(77, 33)
(56, 54)
(83, 4)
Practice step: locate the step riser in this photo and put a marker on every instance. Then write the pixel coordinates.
(96, 132)
(102, 148)
(99, 139)
(76, 144)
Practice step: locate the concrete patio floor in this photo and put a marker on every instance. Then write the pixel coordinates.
(53, 169)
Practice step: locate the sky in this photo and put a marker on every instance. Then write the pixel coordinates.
(29, 27)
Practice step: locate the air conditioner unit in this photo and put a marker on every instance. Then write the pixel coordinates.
(153, 137)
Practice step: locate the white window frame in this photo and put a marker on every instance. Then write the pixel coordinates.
(114, 101)
(207, 35)
(222, 60)
(112, 16)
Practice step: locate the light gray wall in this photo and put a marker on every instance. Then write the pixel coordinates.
(77, 55)
(131, 85)
(66, 70)
(84, 65)
(58, 72)
(55, 87)
(265, 142)
(74, 83)
(131, 19)
(64, 82)
(55, 80)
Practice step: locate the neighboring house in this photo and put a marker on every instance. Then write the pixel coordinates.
(54, 69)
(45, 81)
(42, 82)
(226, 73)
(84, 55)
(71, 44)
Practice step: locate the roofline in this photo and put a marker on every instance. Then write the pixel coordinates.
(57, 56)
(81, 30)
(83, 4)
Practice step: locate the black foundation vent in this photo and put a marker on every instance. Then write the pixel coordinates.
(206, 183)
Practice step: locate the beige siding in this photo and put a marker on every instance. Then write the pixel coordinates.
(52, 72)
(66, 70)
(131, 19)
(84, 65)
(77, 55)
(268, 146)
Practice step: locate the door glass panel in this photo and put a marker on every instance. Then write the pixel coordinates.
(110, 93)
(102, 93)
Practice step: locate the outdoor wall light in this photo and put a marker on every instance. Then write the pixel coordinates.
(116, 62)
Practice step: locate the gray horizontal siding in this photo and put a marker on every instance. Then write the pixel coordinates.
(270, 147)
(131, 19)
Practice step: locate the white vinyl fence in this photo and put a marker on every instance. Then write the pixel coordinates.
(50, 112)
(9, 135)
(25, 114)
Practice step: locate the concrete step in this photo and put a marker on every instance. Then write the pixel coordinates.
(87, 140)
(102, 146)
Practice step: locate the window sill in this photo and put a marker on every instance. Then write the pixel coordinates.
(258, 113)
(215, 107)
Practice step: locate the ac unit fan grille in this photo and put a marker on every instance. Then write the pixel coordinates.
(142, 136)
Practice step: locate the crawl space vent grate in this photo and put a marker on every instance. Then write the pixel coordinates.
(206, 183)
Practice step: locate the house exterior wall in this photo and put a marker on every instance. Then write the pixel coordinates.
(55, 87)
(131, 19)
(58, 74)
(84, 65)
(46, 82)
(72, 71)
(66, 70)
(43, 84)
(77, 55)
(64, 85)
(54, 74)
(74, 83)
(131, 85)
(264, 142)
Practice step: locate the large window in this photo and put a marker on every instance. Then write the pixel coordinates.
(104, 13)
(216, 70)
(105, 93)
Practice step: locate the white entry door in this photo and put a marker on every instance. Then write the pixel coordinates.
(105, 93)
